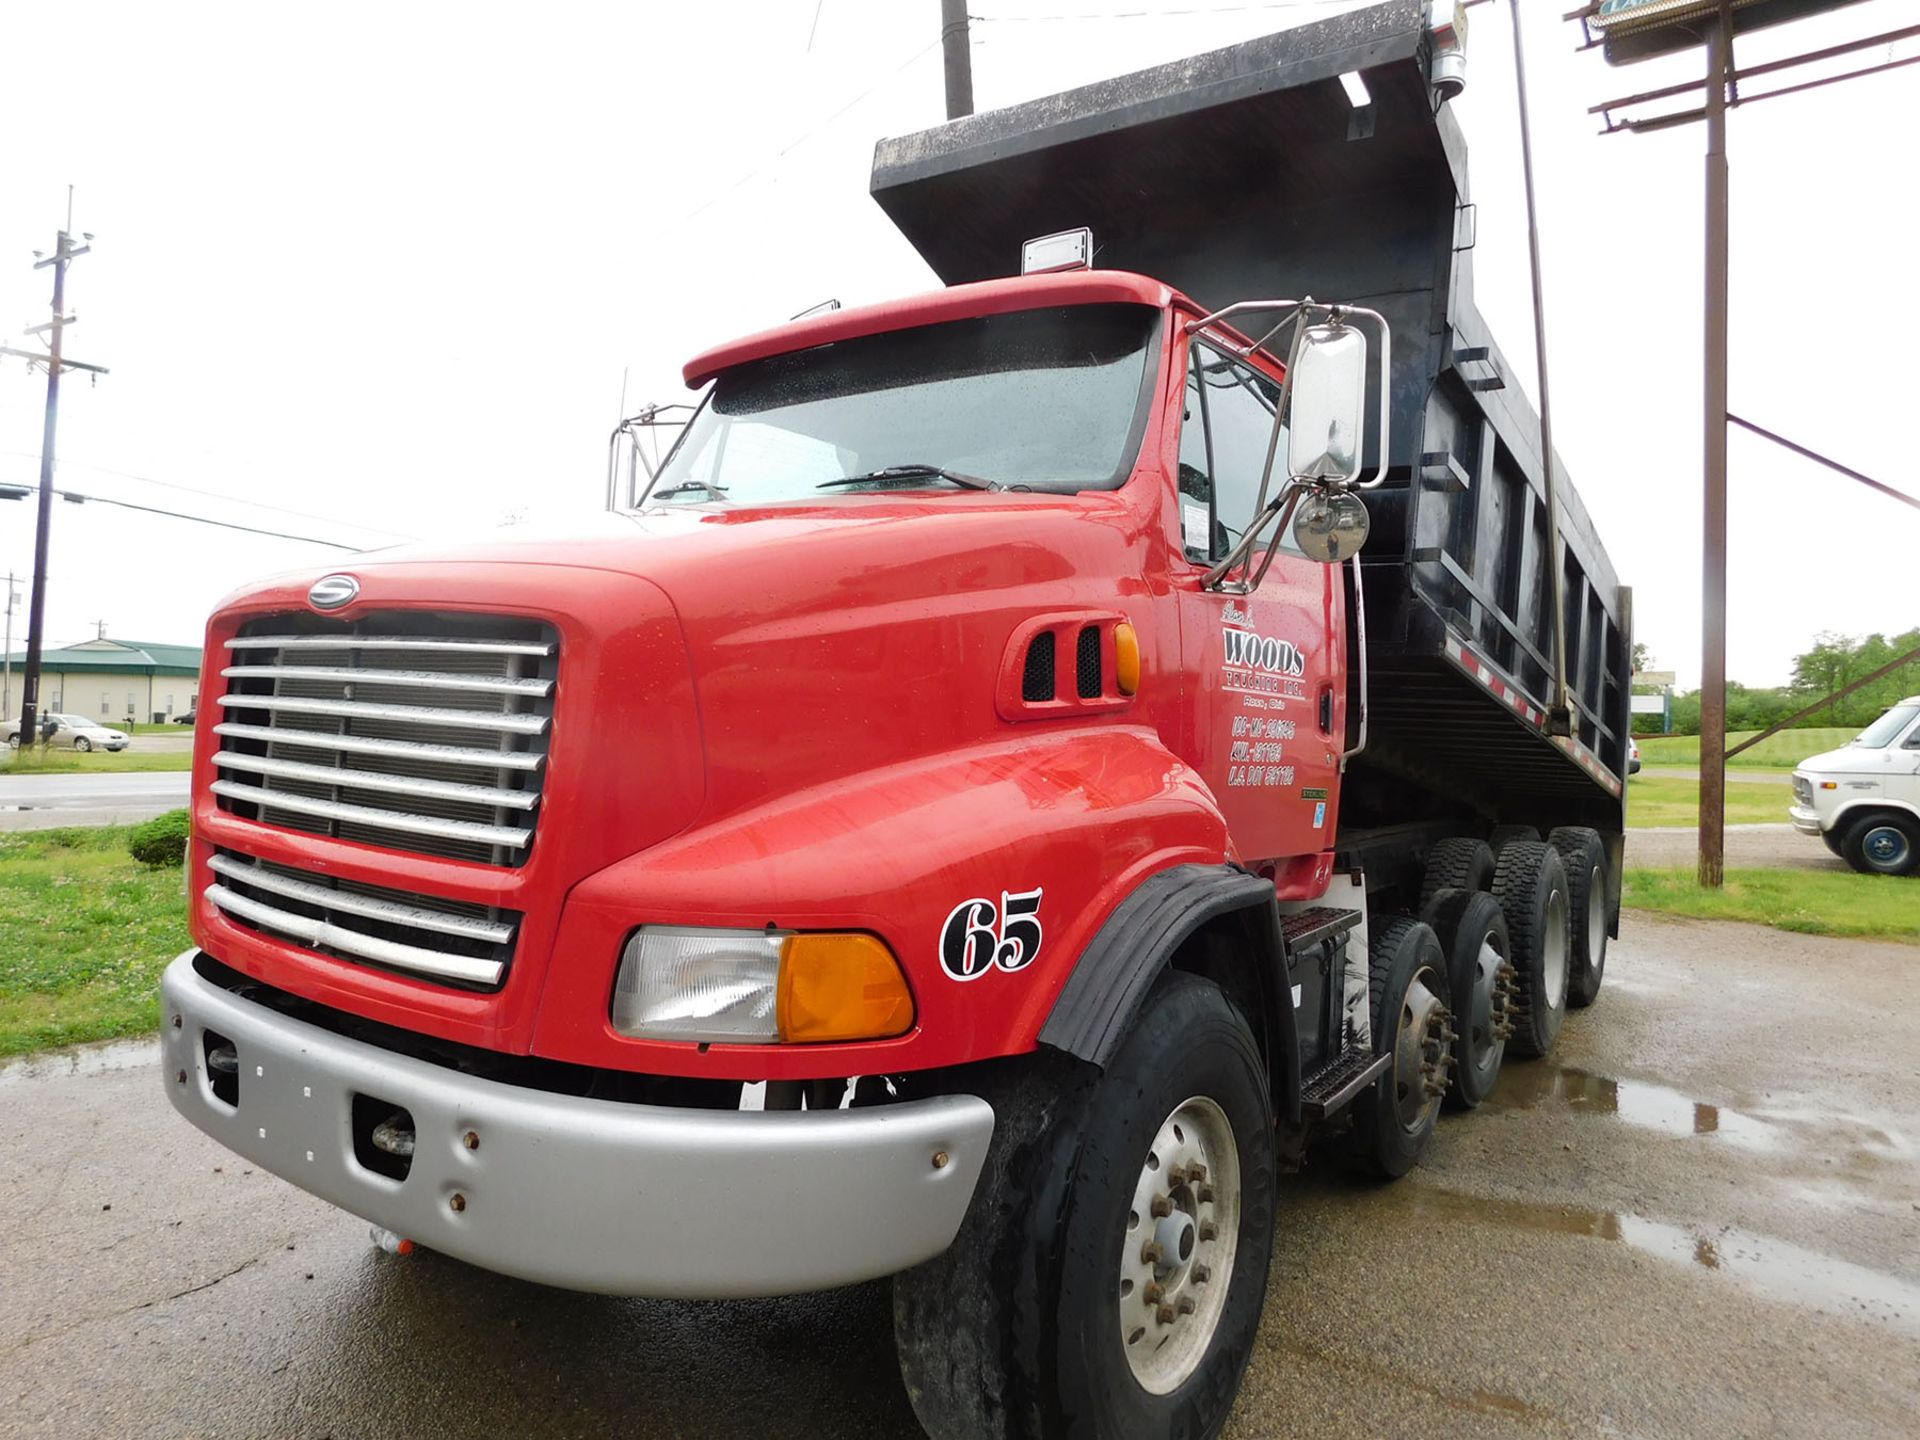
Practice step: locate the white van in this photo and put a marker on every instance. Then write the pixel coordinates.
(1864, 798)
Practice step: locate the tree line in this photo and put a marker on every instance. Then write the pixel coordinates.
(1833, 662)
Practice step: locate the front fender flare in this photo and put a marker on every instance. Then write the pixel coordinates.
(1117, 969)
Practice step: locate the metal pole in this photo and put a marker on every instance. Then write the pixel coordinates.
(957, 45)
(37, 600)
(6, 685)
(1560, 716)
(1713, 590)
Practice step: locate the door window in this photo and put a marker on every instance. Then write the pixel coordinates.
(1224, 439)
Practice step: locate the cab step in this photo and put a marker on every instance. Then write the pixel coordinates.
(1303, 929)
(1329, 1091)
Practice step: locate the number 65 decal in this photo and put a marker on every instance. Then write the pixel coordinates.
(978, 938)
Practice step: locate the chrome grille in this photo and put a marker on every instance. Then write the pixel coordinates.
(440, 939)
(1803, 791)
(418, 732)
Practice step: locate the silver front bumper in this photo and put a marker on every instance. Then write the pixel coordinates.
(584, 1194)
(1806, 821)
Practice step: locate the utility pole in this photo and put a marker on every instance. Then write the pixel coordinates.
(957, 46)
(64, 253)
(1713, 570)
(6, 685)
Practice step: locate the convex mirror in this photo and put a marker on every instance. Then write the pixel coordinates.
(1330, 527)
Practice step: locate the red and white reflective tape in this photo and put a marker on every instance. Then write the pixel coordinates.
(1503, 689)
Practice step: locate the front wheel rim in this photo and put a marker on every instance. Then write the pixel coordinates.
(1886, 847)
(1177, 1254)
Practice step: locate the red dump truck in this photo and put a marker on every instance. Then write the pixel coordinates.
(1038, 758)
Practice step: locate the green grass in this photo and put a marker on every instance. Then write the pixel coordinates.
(1778, 752)
(166, 729)
(72, 762)
(85, 931)
(1808, 902)
(1655, 801)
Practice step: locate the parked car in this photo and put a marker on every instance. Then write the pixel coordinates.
(76, 732)
(185, 717)
(1633, 757)
(1863, 799)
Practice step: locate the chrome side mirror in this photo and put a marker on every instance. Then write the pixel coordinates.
(1330, 526)
(1329, 385)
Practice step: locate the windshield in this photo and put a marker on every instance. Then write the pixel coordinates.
(1884, 731)
(1036, 400)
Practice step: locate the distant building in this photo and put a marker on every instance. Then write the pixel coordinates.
(113, 681)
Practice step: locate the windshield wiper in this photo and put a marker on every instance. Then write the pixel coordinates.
(900, 474)
(685, 486)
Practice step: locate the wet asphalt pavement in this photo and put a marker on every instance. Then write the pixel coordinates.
(1700, 1218)
(40, 802)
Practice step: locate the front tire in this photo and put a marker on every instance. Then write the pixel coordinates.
(1038, 1321)
(1883, 845)
(82, 744)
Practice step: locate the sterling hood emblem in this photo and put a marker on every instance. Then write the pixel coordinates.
(330, 592)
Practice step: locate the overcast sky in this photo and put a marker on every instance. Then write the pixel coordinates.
(385, 265)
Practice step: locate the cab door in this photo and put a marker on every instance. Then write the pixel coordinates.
(1267, 669)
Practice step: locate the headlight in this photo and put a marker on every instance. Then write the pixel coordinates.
(758, 987)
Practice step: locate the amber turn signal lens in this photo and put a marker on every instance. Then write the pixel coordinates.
(841, 987)
(1126, 658)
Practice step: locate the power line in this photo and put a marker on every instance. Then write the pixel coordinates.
(216, 495)
(78, 498)
(792, 145)
(1157, 14)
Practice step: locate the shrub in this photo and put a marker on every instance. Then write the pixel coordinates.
(161, 841)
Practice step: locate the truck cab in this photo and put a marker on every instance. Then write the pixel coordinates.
(1863, 799)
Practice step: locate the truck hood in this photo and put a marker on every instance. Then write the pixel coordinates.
(659, 544)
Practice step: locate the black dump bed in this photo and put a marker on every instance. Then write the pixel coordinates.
(1246, 173)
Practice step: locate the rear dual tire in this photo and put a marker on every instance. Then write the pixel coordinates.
(1530, 882)
(1584, 855)
(1394, 1122)
(1472, 933)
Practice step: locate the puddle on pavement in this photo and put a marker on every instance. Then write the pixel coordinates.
(1770, 1267)
(1637, 1102)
